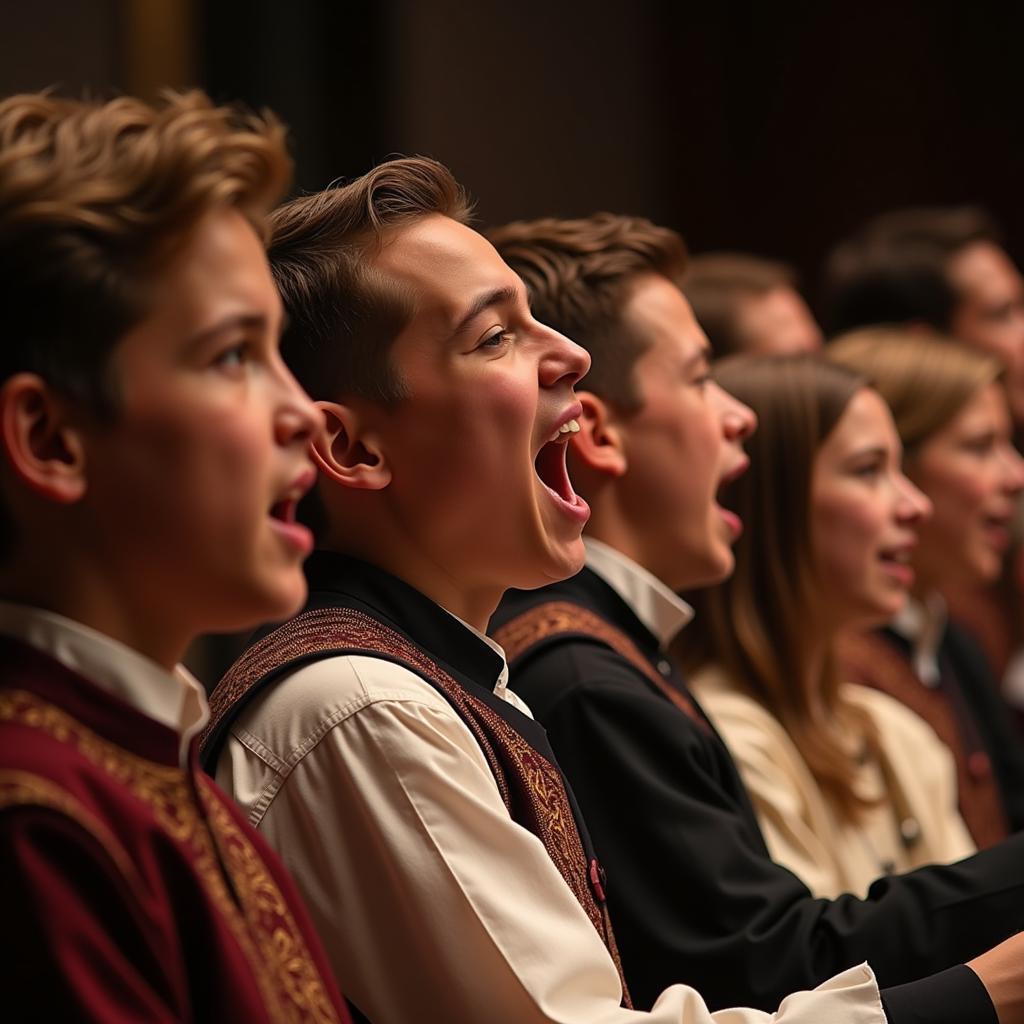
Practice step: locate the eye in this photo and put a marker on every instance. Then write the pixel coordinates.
(980, 445)
(497, 339)
(234, 358)
(867, 470)
(703, 381)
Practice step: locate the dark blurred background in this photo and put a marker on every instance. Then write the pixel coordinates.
(771, 128)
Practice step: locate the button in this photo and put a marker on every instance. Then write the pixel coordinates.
(664, 668)
(978, 765)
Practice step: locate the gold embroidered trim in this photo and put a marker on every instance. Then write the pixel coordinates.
(545, 811)
(26, 789)
(557, 618)
(291, 993)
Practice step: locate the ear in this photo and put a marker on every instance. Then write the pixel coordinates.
(598, 444)
(40, 439)
(347, 454)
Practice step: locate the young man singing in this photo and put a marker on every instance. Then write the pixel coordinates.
(152, 449)
(693, 891)
(372, 738)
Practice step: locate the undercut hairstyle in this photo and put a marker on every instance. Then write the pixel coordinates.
(716, 284)
(757, 625)
(925, 379)
(894, 270)
(95, 198)
(343, 314)
(580, 274)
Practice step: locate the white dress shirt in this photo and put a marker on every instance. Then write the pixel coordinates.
(175, 700)
(922, 624)
(433, 904)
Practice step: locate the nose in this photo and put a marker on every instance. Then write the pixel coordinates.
(562, 361)
(1013, 482)
(296, 419)
(913, 506)
(739, 421)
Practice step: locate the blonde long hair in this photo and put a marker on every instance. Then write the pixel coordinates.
(925, 379)
(756, 625)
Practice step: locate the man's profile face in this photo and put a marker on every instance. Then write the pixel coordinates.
(990, 311)
(477, 479)
(191, 488)
(682, 445)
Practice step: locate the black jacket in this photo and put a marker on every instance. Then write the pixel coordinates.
(693, 894)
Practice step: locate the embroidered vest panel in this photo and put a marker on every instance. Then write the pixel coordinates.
(531, 786)
(555, 620)
(872, 661)
(228, 871)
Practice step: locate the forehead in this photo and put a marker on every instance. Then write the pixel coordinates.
(218, 273)
(985, 409)
(444, 266)
(221, 264)
(865, 423)
(982, 267)
(662, 318)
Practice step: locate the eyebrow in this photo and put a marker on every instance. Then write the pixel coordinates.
(497, 297)
(701, 357)
(246, 321)
(875, 451)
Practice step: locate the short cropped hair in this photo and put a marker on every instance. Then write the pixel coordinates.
(95, 197)
(343, 315)
(580, 274)
(717, 283)
(894, 270)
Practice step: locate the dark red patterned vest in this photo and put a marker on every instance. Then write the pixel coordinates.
(870, 660)
(531, 786)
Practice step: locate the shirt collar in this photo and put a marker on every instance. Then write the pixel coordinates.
(663, 612)
(922, 624)
(502, 682)
(450, 640)
(175, 700)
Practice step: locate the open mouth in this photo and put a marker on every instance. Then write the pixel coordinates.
(284, 510)
(552, 470)
(550, 467)
(897, 561)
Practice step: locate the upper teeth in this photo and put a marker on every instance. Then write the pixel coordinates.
(571, 427)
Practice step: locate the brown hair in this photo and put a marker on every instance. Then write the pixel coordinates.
(94, 198)
(717, 282)
(755, 625)
(580, 274)
(894, 269)
(343, 314)
(925, 379)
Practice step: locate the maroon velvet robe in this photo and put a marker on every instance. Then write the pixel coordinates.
(133, 888)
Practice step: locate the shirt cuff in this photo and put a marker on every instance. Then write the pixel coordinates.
(956, 996)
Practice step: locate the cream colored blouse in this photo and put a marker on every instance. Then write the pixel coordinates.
(801, 827)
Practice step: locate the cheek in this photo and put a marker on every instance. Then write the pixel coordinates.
(957, 494)
(845, 536)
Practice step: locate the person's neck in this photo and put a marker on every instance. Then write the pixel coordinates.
(474, 606)
(86, 600)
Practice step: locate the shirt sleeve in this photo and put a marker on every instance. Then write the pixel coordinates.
(428, 895)
(692, 891)
(75, 945)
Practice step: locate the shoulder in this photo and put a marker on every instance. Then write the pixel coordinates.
(742, 719)
(896, 723)
(574, 664)
(318, 696)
